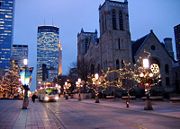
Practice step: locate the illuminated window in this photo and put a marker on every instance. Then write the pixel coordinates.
(7, 16)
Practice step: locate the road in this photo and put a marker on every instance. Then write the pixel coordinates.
(72, 114)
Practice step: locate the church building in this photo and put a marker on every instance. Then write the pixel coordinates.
(114, 46)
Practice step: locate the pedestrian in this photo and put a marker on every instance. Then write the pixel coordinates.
(33, 98)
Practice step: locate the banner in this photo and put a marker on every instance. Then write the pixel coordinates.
(25, 75)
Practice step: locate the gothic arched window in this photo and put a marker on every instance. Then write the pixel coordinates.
(167, 81)
(167, 68)
(98, 68)
(121, 25)
(114, 19)
(92, 69)
(119, 44)
(122, 63)
(117, 64)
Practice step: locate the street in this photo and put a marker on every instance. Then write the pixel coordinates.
(78, 115)
(85, 114)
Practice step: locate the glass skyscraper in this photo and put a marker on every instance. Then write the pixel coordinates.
(19, 53)
(49, 56)
(6, 31)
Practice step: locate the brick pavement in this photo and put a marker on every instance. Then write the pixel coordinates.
(35, 117)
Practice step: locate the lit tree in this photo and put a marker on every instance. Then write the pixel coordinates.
(96, 82)
(10, 81)
(146, 75)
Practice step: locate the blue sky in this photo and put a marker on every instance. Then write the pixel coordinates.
(71, 15)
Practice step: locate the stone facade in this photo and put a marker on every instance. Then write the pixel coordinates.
(159, 55)
(114, 46)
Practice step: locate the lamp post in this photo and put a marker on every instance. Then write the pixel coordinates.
(78, 84)
(66, 87)
(147, 75)
(96, 82)
(25, 85)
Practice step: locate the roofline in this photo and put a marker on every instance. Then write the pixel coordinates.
(119, 2)
(151, 32)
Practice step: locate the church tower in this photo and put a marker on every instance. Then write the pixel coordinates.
(115, 35)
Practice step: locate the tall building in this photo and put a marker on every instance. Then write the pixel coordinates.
(177, 40)
(6, 31)
(19, 53)
(49, 57)
(114, 42)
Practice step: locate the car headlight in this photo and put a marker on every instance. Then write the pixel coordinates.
(56, 97)
(46, 98)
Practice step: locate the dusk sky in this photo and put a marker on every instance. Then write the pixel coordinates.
(72, 15)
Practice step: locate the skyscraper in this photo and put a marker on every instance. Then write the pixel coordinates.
(49, 58)
(19, 53)
(6, 31)
(177, 39)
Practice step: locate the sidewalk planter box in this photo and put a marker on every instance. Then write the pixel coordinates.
(175, 99)
(110, 97)
(83, 96)
(153, 98)
(126, 97)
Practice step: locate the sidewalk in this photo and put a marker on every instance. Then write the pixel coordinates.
(164, 108)
(35, 117)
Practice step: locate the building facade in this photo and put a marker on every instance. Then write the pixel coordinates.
(6, 32)
(114, 43)
(19, 53)
(161, 53)
(177, 40)
(114, 46)
(49, 54)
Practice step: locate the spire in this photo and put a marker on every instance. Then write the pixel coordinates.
(82, 30)
(151, 31)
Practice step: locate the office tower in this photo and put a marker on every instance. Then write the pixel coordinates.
(6, 31)
(19, 53)
(49, 58)
(177, 40)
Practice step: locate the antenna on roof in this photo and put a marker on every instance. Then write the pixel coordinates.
(44, 21)
(52, 21)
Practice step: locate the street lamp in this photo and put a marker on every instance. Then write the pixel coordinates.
(25, 82)
(147, 75)
(96, 82)
(146, 63)
(78, 84)
(66, 87)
